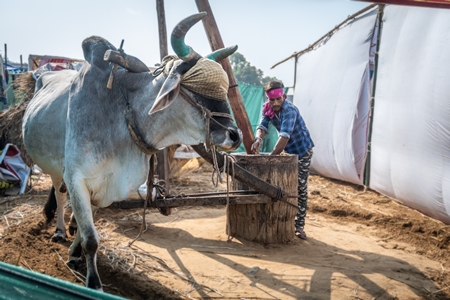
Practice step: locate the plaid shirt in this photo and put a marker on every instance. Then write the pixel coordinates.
(289, 123)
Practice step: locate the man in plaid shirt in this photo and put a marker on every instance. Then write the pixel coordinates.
(293, 138)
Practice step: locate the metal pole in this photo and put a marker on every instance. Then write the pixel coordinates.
(372, 99)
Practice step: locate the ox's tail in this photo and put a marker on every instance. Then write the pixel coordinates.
(50, 207)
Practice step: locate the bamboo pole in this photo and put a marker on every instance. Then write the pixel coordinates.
(234, 96)
(330, 33)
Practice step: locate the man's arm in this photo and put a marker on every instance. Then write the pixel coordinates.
(280, 145)
(260, 134)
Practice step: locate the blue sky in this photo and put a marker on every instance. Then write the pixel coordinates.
(266, 32)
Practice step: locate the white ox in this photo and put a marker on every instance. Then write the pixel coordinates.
(97, 141)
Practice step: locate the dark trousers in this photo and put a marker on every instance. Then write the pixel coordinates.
(304, 163)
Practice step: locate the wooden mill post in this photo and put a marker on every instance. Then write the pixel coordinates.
(162, 168)
(234, 96)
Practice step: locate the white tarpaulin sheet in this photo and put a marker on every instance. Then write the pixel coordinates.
(332, 93)
(410, 159)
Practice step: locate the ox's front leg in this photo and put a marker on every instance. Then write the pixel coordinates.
(87, 235)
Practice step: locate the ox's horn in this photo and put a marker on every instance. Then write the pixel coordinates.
(183, 51)
(220, 54)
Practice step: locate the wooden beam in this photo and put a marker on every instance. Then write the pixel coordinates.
(234, 95)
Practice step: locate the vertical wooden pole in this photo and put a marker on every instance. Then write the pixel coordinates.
(163, 155)
(234, 96)
(162, 29)
(6, 65)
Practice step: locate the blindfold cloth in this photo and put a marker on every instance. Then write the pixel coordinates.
(275, 93)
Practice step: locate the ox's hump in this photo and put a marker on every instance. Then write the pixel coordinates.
(94, 49)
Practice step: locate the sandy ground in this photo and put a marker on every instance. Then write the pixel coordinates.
(361, 245)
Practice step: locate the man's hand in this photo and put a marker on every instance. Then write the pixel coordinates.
(256, 145)
(280, 145)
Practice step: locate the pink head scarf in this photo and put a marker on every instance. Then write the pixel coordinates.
(272, 94)
(275, 93)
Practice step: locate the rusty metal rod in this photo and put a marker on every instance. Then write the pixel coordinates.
(239, 192)
(194, 201)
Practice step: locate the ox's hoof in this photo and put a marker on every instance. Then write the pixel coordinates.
(165, 211)
(59, 236)
(93, 282)
(72, 229)
(75, 263)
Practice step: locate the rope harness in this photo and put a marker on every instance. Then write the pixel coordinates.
(207, 115)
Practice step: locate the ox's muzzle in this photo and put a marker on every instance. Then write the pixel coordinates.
(232, 140)
(235, 135)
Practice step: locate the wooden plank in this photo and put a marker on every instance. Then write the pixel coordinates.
(234, 95)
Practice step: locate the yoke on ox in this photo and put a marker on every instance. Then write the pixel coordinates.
(97, 141)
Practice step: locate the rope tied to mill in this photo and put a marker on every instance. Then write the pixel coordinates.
(228, 161)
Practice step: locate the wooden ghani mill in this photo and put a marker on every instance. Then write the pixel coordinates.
(266, 223)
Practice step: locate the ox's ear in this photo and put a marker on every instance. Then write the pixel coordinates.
(170, 88)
